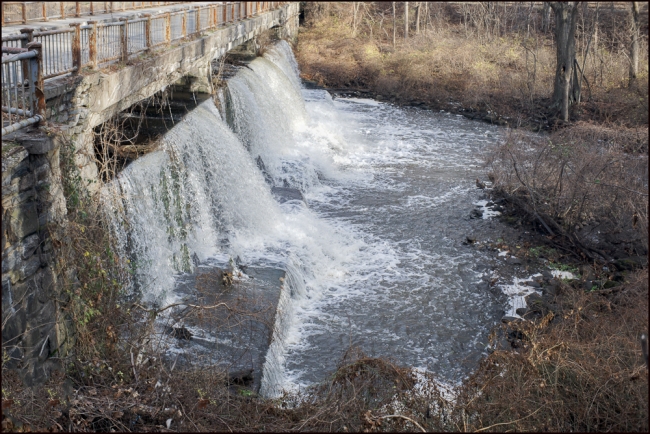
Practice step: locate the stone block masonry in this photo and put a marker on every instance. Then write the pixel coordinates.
(32, 328)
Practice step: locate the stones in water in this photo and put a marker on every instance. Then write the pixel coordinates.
(285, 194)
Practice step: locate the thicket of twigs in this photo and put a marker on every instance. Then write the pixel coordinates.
(585, 185)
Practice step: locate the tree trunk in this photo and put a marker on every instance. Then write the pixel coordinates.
(417, 18)
(634, 49)
(354, 19)
(566, 85)
(406, 20)
(394, 25)
(546, 17)
(426, 17)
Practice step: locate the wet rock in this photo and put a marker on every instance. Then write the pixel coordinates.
(532, 283)
(631, 263)
(517, 334)
(508, 319)
(536, 303)
(550, 290)
(476, 214)
(284, 194)
(241, 378)
(522, 311)
(180, 333)
(513, 261)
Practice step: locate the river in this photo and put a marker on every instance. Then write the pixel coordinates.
(374, 253)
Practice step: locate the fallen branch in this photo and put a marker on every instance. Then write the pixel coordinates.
(193, 306)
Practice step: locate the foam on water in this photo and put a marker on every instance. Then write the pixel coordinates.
(376, 173)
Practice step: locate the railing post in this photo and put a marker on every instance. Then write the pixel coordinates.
(30, 37)
(232, 12)
(76, 47)
(24, 43)
(24, 12)
(77, 9)
(92, 44)
(62, 8)
(124, 40)
(168, 28)
(184, 24)
(92, 8)
(36, 78)
(197, 20)
(147, 31)
(223, 13)
(44, 5)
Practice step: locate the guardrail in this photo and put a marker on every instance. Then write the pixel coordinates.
(22, 12)
(70, 49)
(23, 100)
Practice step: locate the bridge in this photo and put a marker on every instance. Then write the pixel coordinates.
(62, 82)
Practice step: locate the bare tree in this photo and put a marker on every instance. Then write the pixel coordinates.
(394, 24)
(546, 17)
(418, 6)
(406, 20)
(355, 10)
(566, 88)
(634, 49)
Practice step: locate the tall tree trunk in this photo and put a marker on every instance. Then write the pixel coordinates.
(426, 17)
(634, 49)
(406, 20)
(355, 8)
(394, 25)
(546, 17)
(566, 85)
(417, 18)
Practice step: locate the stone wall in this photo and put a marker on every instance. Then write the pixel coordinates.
(31, 200)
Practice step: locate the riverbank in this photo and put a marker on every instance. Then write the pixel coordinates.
(505, 80)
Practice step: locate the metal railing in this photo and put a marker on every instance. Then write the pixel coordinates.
(23, 100)
(69, 50)
(22, 12)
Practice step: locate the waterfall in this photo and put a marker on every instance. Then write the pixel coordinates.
(201, 195)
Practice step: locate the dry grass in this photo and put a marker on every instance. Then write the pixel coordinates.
(583, 371)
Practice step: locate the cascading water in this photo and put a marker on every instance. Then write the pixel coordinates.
(372, 261)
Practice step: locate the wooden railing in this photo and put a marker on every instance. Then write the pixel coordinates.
(68, 50)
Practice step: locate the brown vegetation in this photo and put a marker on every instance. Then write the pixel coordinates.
(468, 59)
